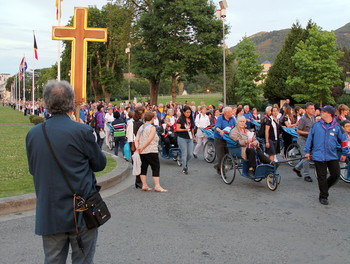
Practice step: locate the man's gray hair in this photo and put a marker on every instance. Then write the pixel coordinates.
(227, 108)
(58, 97)
(268, 108)
(246, 106)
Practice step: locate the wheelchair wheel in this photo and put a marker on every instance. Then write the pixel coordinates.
(293, 151)
(209, 152)
(258, 179)
(344, 172)
(271, 181)
(178, 160)
(228, 169)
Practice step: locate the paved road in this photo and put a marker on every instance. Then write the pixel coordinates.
(202, 220)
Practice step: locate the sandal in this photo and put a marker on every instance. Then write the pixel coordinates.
(146, 189)
(160, 190)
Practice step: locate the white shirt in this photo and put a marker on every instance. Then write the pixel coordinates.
(109, 118)
(202, 121)
(172, 120)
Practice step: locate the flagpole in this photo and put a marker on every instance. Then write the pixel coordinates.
(33, 76)
(59, 44)
(19, 91)
(16, 90)
(24, 85)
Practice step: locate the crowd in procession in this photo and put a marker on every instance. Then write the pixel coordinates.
(141, 126)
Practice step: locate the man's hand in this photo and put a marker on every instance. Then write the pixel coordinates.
(342, 158)
(307, 155)
(221, 132)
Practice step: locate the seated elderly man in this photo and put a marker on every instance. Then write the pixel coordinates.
(249, 145)
(223, 121)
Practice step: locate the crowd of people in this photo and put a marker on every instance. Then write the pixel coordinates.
(180, 125)
(142, 126)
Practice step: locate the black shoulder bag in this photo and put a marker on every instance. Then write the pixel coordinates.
(95, 210)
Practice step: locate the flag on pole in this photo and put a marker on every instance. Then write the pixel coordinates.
(58, 9)
(35, 48)
(23, 66)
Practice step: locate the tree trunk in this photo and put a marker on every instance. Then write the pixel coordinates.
(154, 86)
(173, 88)
(107, 97)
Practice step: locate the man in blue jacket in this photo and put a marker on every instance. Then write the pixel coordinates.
(322, 141)
(225, 120)
(79, 155)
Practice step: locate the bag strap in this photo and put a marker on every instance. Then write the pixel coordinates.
(143, 129)
(55, 158)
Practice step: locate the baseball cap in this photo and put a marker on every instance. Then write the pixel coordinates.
(329, 109)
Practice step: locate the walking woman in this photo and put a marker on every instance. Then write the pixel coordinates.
(202, 121)
(287, 121)
(272, 131)
(138, 116)
(99, 124)
(185, 136)
(146, 143)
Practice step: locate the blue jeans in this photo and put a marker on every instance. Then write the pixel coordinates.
(56, 246)
(304, 163)
(119, 141)
(186, 146)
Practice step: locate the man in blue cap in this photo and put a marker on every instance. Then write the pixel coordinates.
(322, 140)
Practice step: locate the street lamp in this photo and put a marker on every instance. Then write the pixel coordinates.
(127, 51)
(221, 13)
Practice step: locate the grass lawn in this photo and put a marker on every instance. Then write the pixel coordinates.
(208, 99)
(8, 115)
(15, 178)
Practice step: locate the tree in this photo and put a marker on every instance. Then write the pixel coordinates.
(248, 73)
(177, 39)
(275, 87)
(317, 68)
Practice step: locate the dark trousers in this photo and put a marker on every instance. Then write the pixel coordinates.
(168, 141)
(325, 183)
(119, 142)
(220, 150)
(287, 140)
(251, 156)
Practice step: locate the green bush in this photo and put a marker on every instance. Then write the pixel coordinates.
(344, 99)
(31, 118)
(37, 120)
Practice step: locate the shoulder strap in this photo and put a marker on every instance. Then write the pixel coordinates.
(143, 129)
(55, 158)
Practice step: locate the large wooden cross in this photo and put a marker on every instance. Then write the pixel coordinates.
(79, 34)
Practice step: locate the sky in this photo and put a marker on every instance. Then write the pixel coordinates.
(19, 18)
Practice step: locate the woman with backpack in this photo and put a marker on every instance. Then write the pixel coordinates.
(119, 133)
(272, 132)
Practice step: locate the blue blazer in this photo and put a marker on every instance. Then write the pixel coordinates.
(75, 147)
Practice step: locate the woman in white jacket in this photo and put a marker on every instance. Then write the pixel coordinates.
(202, 121)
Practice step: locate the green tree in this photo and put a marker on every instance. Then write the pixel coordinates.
(177, 39)
(317, 68)
(248, 73)
(275, 87)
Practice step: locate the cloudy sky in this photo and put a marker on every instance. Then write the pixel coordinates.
(19, 18)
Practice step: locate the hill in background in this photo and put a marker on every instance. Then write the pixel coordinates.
(269, 44)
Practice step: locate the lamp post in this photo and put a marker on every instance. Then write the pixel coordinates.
(127, 51)
(221, 13)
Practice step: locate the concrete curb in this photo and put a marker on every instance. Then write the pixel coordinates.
(26, 202)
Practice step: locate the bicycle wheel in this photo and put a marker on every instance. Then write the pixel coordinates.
(344, 172)
(209, 152)
(271, 181)
(110, 142)
(228, 169)
(293, 151)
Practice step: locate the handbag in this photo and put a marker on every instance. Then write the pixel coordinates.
(95, 210)
(127, 151)
(102, 134)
